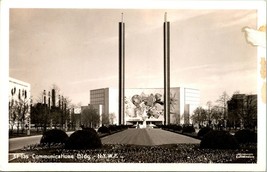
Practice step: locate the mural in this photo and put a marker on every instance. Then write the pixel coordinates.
(147, 104)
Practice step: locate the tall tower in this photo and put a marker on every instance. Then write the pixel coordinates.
(53, 98)
(166, 47)
(121, 69)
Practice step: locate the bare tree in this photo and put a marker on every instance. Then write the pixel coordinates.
(209, 106)
(199, 116)
(18, 108)
(22, 109)
(216, 115)
(105, 119)
(12, 115)
(112, 118)
(90, 117)
(222, 102)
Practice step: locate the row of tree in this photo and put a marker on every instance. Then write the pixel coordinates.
(18, 110)
(48, 112)
(239, 110)
(91, 118)
(52, 112)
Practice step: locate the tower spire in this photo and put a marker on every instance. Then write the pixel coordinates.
(165, 16)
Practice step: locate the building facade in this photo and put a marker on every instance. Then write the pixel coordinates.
(19, 103)
(146, 105)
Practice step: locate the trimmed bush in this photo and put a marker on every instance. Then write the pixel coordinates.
(246, 136)
(119, 127)
(219, 140)
(90, 129)
(188, 129)
(103, 129)
(112, 128)
(83, 139)
(54, 136)
(174, 127)
(177, 127)
(203, 131)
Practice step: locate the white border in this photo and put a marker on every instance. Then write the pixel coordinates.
(121, 4)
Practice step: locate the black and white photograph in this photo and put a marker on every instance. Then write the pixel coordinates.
(133, 85)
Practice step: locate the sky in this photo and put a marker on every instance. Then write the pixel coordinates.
(77, 50)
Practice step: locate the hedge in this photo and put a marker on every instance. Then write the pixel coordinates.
(219, 140)
(83, 139)
(54, 136)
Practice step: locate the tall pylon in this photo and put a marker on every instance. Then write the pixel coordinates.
(166, 51)
(121, 69)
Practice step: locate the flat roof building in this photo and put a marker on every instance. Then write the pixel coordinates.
(146, 105)
(19, 102)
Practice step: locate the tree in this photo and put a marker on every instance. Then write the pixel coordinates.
(242, 110)
(22, 108)
(222, 102)
(105, 119)
(209, 106)
(18, 108)
(199, 116)
(216, 114)
(37, 115)
(90, 117)
(236, 110)
(112, 118)
(75, 117)
(250, 115)
(12, 114)
(55, 114)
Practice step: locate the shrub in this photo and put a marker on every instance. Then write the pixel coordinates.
(103, 129)
(178, 127)
(188, 129)
(83, 139)
(54, 136)
(219, 140)
(174, 127)
(112, 128)
(90, 129)
(203, 131)
(246, 136)
(119, 127)
(160, 126)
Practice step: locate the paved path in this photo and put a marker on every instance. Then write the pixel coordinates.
(20, 142)
(148, 136)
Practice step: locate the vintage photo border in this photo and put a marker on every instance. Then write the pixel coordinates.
(260, 6)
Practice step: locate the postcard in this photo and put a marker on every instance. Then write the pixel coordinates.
(133, 85)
